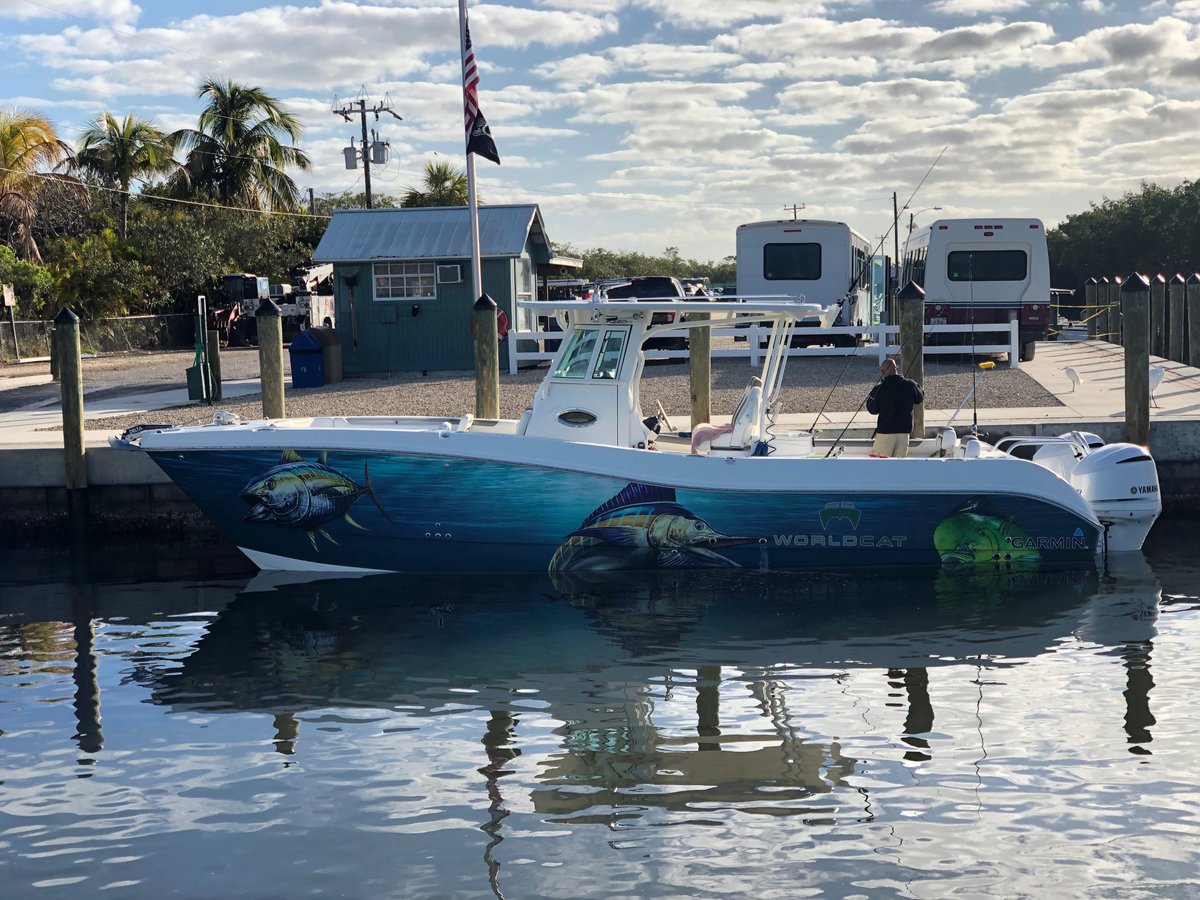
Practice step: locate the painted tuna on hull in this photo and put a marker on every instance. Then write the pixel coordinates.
(299, 493)
(643, 527)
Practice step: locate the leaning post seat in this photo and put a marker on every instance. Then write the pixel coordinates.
(745, 419)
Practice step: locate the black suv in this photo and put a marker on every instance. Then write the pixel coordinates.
(653, 287)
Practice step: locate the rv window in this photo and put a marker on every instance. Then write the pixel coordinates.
(575, 358)
(610, 355)
(792, 262)
(987, 265)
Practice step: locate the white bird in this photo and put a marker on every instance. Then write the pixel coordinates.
(1074, 376)
(1156, 378)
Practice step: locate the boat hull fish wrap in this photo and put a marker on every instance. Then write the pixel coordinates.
(424, 512)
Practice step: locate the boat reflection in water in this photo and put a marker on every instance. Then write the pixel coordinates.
(595, 655)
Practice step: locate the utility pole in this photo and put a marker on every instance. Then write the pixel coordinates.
(376, 150)
(894, 269)
(794, 209)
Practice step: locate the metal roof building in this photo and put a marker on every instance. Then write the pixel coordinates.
(436, 232)
(403, 284)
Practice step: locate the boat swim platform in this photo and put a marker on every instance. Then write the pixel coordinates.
(129, 486)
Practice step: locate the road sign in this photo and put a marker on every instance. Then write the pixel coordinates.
(10, 298)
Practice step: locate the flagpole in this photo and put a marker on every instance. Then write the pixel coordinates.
(472, 198)
(487, 355)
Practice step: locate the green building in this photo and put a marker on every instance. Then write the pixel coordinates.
(403, 285)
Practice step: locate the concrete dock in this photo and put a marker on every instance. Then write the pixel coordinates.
(128, 492)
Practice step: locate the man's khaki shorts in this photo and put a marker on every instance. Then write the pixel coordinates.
(894, 445)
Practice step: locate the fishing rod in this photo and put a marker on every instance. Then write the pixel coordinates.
(986, 366)
(853, 285)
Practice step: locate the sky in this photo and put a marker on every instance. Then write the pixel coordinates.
(653, 124)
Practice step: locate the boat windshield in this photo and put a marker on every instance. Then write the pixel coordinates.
(576, 359)
(573, 363)
(611, 350)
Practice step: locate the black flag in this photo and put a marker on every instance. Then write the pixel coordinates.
(480, 141)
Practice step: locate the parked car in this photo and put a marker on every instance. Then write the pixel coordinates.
(653, 287)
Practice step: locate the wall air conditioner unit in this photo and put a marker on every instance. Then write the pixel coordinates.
(449, 274)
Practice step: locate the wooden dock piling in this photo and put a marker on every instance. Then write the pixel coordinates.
(1193, 319)
(1091, 306)
(911, 303)
(1158, 315)
(1135, 299)
(700, 370)
(1176, 298)
(487, 358)
(213, 355)
(270, 358)
(70, 367)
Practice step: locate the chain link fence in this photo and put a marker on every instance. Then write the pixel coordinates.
(31, 339)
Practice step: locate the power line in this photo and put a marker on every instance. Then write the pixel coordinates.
(143, 196)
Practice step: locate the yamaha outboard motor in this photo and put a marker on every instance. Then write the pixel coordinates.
(1120, 483)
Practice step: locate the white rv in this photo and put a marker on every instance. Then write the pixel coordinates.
(826, 262)
(983, 270)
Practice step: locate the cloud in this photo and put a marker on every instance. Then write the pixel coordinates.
(977, 7)
(114, 12)
(829, 102)
(387, 42)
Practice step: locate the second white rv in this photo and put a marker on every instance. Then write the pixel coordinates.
(983, 270)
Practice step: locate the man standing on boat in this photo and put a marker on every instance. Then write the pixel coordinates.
(892, 400)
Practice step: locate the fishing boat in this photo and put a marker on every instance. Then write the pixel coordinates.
(586, 482)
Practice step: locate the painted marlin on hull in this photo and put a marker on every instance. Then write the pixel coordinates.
(299, 493)
(643, 527)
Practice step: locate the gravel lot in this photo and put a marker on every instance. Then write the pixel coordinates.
(837, 384)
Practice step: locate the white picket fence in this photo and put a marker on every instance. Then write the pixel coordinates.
(878, 340)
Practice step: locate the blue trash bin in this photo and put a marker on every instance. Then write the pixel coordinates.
(308, 360)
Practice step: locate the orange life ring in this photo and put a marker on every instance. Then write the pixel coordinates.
(501, 323)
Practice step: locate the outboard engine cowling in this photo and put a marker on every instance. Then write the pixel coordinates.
(1120, 483)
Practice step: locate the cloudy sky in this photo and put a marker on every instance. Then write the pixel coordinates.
(653, 123)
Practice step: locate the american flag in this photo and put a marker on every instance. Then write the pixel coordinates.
(479, 135)
(470, 78)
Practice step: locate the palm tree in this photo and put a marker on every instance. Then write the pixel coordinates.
(444, 185)
(237, 154)
(118, 152)
(29, 148)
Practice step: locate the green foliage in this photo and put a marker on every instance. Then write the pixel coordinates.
(116, 153)
(189, 248)
(326, 204)
(601, 263)
(33, 284)
(98, 277)
(238, 153)
(1155, 230)
(443, 185)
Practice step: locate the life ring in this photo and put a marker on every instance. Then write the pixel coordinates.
(501, 323)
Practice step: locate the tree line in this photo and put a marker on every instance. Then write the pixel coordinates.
(1152, 230)
(131, 219)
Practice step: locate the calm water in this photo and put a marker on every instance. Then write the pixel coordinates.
(169, 728)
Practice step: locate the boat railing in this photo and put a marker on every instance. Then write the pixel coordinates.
(531, 345)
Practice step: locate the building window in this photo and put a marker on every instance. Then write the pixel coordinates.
(405, 281)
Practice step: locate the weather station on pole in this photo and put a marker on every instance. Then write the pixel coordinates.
(479, 141)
